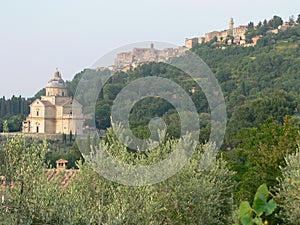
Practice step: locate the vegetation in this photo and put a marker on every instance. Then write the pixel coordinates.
(261, 206)
(193, 196)
(257, 82)
(14, 111)
(261, 90)
(262, 28)
(259, 155)
(289, 188)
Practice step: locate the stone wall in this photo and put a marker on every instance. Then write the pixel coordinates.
(191, 42)
(138, 56)
(238, 33)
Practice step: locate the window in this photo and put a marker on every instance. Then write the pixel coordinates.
(63, 94)
(37, 129)
(37, 112)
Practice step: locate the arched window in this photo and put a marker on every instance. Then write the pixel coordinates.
(37, 112)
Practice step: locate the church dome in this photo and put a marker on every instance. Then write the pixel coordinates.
(56, 81)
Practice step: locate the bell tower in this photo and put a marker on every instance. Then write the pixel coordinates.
(231, 25)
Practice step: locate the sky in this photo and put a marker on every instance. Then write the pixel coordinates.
(36, 37)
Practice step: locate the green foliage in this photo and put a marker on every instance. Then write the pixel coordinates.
(68, 151)
(64, 138)
(261, 206)
(14, 111)
(40, 93)
(5, 126)
(260, 154)
(257, 82)
(289, 190)
(24, 171)
(255, 112)
(193, 196)
(275, 22)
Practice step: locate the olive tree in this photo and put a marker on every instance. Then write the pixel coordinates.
(289, 189)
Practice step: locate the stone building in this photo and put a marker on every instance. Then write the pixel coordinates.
(231, 26)
(191, 42)
(55, 113)
(124, 58)
(237, 33)
(209, 36)
(138, 56)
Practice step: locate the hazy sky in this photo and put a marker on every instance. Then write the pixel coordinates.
(38, 36)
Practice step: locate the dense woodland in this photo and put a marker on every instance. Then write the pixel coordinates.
(261, 90)
(14, 111)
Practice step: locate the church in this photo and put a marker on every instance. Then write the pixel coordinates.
(55, 113)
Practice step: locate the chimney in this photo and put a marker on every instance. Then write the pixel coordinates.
(61, 164)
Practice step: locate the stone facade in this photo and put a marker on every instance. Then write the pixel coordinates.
(139, 56)
(191, 42)
(55, 113)
(237, 33)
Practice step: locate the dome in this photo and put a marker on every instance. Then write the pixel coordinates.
(56, 81)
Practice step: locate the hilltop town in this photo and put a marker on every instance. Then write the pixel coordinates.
(233, 35)
(125, 61)
(60, 171)
(236, 35)
(138, 56)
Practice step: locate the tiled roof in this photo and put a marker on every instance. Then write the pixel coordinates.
(65, 102)
(65, 176)
(46, 103)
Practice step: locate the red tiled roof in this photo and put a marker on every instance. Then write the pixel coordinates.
(65, 176)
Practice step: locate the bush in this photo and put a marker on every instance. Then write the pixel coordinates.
(192, 196)
(289, 190)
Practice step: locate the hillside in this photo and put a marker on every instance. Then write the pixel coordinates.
(260, 150)
(257, 83)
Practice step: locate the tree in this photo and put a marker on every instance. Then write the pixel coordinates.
(87, 144)
(24, 170)
(292, 19)
(70, 136)
(64, 138)
(275, 22)
(298, 19)
(214, 39)
(193, 196)
(259, 24)
(182, 199)
(250, 26)
(260, 154)
(33, 198)
(5, 126)
(288, 189)
(265, 23)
